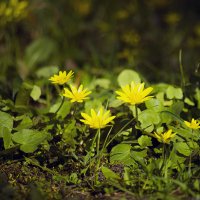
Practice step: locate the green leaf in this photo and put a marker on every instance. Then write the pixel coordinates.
(115, 103)
(39, 51)
(144, 141)
(25, 123)
(28, 148)
(127, 176)
(35, 93)
(121, 153)
(64, 110)
(109, 174)
(23, 96)
(148, 118)
(47, 72)
(174, 93)
(7, 137)
(154, 104)
(197, 97)
(127, 76)
(182, 148)
(70, 133)
(139, 155)
(95, 103)
(189, 102)
(186, 134)
(29, 139)
(175, 160)
(197, 185)
(6, 121)
(177, 107)
(172, 113)
(102, 82)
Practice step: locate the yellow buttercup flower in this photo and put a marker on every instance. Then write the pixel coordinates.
(194, 124)
(61, 78)
(134, 93)
(76, 94)
(97, 120)
(165, 137)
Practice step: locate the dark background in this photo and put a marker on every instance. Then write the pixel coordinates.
(99, 36)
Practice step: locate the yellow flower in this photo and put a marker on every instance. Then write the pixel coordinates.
(134, 93)
(76, 94)
(97, 120)
(62, 78)
(165, 137)
(194, 124)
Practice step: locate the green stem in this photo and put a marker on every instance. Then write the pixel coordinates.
(91, 148)
(75, 109)
(119, 132)
(190, 161)
(95, 137)
(164, 161)
(63, 99)
(104, 144)
(182, 73)
(98, 141)
(98, 155)
(136, 114)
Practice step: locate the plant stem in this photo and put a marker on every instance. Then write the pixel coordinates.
(63, 99)
(98, 155)
(119, 132)
(136, 114)
(104, 144)
(164, 160)
(75, 109)
(181, 70)
(190, 161)
(98, 141)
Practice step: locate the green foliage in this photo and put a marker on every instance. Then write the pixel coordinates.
(183, 148)
(109, 174)
(6, 121)
(148, 119)
(47, 71)
(121, 153)
(29, 139)
(97, 39)
(144, 141)
(7, 137)
(39, 51)
(174, 93)
(70, 132)
(42, 123)
(126, 76)
(35, 93)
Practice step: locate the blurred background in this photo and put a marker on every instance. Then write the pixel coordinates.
(99, 36)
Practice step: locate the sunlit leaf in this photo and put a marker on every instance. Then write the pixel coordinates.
(29, 139)
(182, 148)
(144, 141)
(174, 93)
(6, 121)
(121, 153)
(126, 76)
(35, 93)
(7, 137)
(109, 174)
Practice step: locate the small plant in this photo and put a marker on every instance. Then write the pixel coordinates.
(143, 135)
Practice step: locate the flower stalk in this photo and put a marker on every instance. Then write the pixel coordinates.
(62, 102)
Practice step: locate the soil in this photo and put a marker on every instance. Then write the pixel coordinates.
(19, 181)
